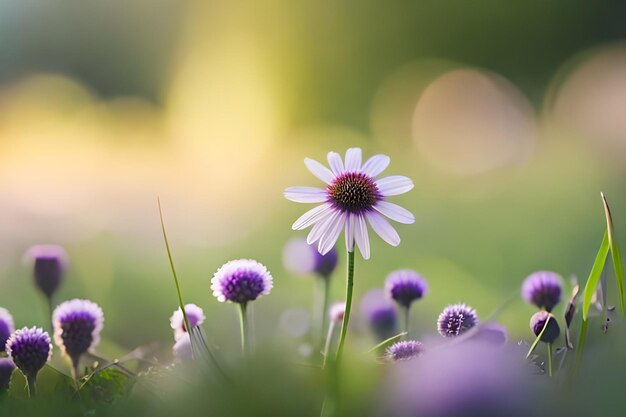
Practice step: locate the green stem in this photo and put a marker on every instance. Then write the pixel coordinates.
(243, 323)
(406, 321)
(323, 295)
(549, 359)
(346, 316)
(329, 341)
(32, 386)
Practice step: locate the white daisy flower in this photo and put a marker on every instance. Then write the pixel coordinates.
(352, 195)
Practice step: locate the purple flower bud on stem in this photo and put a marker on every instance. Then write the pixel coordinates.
(6, 370)
(6, 327)
(542, 289)
(456, 319)
(49, 265)
(195, 315)
(30, 350)
(380, 314)
(405, 286)
(404, 350)
(537, 323)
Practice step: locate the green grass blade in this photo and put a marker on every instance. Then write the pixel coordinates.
(581, 343)
(594, 275)
(384, 342)
(615, 254)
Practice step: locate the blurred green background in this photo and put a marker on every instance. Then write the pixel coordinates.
(507, 116)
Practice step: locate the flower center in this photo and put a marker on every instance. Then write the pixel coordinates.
(353, 192)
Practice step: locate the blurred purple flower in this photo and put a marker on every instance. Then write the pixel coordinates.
(543, 289)
(379, 313)
(77, 326)
(6, 327)
(30, 350)
(182, 348)
(456, 319)
(240, 281)
(405, 286)
(466, 379)
(351, 197)
(538, 321)
(300, 258)
(49, 265)
(492, 333)
(195, 315)
(6, 370)
(404, 350)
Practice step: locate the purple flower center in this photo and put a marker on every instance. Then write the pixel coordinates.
(77, 333)
(353, 192)
(242, 286)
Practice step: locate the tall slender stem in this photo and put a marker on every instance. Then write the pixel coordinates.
(329, 341)
(32, 386)
(406, 321)
(243, 323)
(549, 359)
(346, 316)
(50, 311)
(321, 308)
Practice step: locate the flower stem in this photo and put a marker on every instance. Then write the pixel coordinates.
(550, 359)
(406, 321)
(32, 386)
(329, 341)
(346, 316)
(243, 323)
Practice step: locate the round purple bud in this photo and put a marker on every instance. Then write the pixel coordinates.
(29, 349)
(195, 315)
(537, 323)
(337, 311)
(404, 350)
(77, 326)
(379, 313)
(456, 319)
(300, 258)
(6, 370)
(543, 289)
(240, 281)
(49, 265)
(6, 327)
(405, 286)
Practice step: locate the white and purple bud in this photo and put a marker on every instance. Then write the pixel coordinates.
(405, 286)
(49, 264)
(456, 319)
(77, 326)
(6, 327)
(543, 289)
(30, 350)
(404, 350)
(195, 315)
(241, 281)
(300, 258)
(337, 311)
(379, 313)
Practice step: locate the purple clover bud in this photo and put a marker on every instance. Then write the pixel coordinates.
(405, 286)
(405, 350)
(6, 370)
(195, 315)
(380, 314)
(337, 311)
(77, 325)
(241, 281)
(538, 321)
(49, 265)
(456, 319)
(29, 349)
(542, 289)
(6, 327)
(300, 258)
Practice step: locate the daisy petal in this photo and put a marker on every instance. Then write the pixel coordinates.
(306, 194)
(361, 237)
(350, 225)
(375, 165)
(329, 238)
(353, 159)
(394, 185)
(319, 170)
(335, 162)
(395, 212)
(382, 227)
(312, 216)
(320, 227)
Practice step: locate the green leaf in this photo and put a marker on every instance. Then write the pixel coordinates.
(594, 275)
(384, 342)
(615, 254)
(106, 387)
